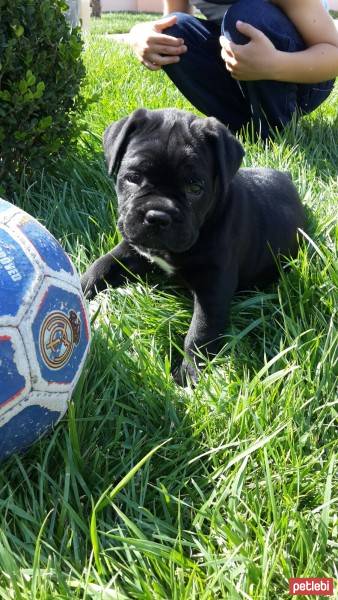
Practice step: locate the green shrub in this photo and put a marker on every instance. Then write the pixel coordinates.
(41, 70)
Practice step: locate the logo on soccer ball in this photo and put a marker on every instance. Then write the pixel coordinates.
(59, 334)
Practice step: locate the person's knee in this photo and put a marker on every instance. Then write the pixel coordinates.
(182, 25)
(254, 13)
(266, 17)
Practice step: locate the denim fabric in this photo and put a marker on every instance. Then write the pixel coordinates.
(202, 77)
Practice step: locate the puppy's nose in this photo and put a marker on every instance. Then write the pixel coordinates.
(157, 218)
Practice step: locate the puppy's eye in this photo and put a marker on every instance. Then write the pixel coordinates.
(193, 188)
(134, 177)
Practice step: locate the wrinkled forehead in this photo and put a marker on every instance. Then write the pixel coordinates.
(169, 149)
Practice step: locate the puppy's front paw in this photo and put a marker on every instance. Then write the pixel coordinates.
(186, 373)
(91, 285)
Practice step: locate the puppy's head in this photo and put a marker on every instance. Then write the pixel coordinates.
(172, 171)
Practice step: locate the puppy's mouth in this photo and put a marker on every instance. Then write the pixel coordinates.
(157, 230)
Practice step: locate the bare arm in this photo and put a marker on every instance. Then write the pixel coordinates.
(319, 61)
(170, 6)
(311, 20)
(259, 59)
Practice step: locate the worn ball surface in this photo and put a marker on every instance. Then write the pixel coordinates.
(44, 330)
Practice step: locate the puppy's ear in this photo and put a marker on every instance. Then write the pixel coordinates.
(228, 151)
(116, 138)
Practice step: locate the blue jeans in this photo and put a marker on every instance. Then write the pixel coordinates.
(203, 79)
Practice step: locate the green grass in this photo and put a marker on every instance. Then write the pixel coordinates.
(119, 22)
(243, 492)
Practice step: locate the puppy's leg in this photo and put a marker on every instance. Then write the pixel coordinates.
(212, 300)
(114, 269)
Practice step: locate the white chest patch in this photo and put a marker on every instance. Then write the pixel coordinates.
(158, 260)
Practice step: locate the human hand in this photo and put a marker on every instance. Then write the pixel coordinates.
(154, 48)
(252, 61)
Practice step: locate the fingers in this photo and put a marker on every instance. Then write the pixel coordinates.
(230, 53)
(165, 22)
(249, 30)
(150, 66)
(158, 61)
(165, 40)
(155, 49)
(228, 57)
(230, 65)
(160, 51)
(168, 50)
(228, 46)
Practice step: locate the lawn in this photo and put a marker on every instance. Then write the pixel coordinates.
(239, 492)
(119, 22)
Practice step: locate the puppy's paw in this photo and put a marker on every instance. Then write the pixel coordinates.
(185, 374)
(91, 285)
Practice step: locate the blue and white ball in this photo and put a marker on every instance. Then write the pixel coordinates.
(44, 330)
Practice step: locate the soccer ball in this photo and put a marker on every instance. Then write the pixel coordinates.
(44, 330)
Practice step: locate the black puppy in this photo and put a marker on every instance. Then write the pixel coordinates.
(184, 205)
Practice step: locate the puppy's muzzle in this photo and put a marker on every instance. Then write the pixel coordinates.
(157, 224)
(157, 219)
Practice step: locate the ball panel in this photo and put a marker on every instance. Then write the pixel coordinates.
(14, 369)
(57, 334)
(29, 421)
(4, 205)
(48, 248)
(7, 210)
(20, 278)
